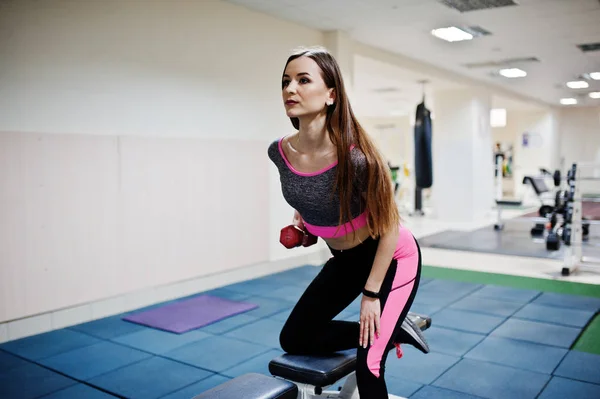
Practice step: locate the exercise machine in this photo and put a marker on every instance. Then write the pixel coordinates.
(541, 190)
(310, 377)
(552, 214)
(577, 228)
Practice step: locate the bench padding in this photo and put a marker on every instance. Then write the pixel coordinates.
(320, 371)
(252, 386)
(509, 202)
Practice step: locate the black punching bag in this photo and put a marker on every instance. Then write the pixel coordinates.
(423, 161)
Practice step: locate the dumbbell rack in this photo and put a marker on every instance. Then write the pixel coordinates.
(573, 231)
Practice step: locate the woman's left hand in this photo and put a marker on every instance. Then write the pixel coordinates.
(369, 321)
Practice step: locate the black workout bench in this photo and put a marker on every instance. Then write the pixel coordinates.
(296, 376)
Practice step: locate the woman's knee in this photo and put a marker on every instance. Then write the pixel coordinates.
(290, 339)
(368, 367)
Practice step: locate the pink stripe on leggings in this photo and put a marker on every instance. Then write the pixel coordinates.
(407, 255)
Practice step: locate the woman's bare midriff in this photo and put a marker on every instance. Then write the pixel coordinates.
(349, 240)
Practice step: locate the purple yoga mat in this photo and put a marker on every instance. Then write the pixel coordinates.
(189, 314)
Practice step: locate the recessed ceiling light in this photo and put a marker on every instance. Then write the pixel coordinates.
(452, 34)
(568, 101)
(595, 94)
(578, 84)
(512, 73)
(595, 75)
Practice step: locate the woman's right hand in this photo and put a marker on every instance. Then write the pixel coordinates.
(297, 220)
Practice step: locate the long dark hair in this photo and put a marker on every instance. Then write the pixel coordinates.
(344, 130)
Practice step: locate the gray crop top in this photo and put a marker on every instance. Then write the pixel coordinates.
(311, 193)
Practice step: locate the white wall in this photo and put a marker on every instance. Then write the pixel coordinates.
(579, 135)
(393, 136)
(580, 141)
(133, 145)
(541, 150)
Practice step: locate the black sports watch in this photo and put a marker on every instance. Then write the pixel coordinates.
(370, 294)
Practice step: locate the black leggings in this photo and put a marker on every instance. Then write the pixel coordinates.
(310, 328)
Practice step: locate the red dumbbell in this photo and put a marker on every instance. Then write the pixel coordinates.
(293, 236)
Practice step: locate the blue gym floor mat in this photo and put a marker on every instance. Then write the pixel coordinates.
(225, 325)
(48, 344)
(467, 321)
(519, 354)
(8, 361)
(31, 381)
(268, 306)
(79, 391)
(203, 385)
(264, 332)
(482, 337)
(487, 306)
(157, 341)
(492, 381)
(555, 315)
(216, 353)
(452, 342)
(507, 294)
(150, 378)
(562, 388)
(415, 366)
(580, 366)
(542, 333)
(568, 301)
(258, 364)
(108, 327)
(94, 360)
(402, 387)
(431, 392)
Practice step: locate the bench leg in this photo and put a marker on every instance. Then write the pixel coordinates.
(349, 390)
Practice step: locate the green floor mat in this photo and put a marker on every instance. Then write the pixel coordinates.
(589, 341)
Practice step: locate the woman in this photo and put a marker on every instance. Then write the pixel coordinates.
(340, 187)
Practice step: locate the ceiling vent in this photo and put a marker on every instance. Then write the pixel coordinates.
(589, 47)
(475, 5)
(501, 63)
(476, 31)
(386, 90)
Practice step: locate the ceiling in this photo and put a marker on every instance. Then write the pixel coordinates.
(547, 30)
(383, 90)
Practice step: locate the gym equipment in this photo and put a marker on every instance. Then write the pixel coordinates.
(305, 377)
(538, 230)
(252, 386)
(423, 161)
(423, 156)
(576, 229)
(293, 236)
(540, 188)
(553, 242)
(312, 374)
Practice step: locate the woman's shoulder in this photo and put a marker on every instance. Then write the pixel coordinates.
(274, 146)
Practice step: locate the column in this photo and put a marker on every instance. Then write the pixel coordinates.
(339, 45)
(463, 175)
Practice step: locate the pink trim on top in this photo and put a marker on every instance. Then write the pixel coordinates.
(289, 165)
(337, 231)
